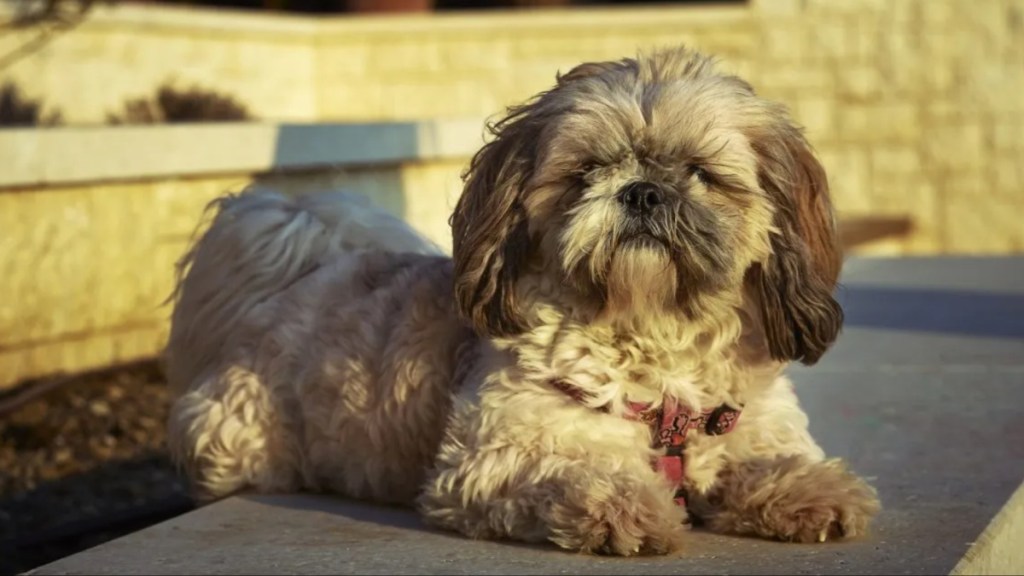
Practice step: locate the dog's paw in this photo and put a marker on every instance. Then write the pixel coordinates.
(843, 515)
(826, 502)
(795, 501)
(626, 524)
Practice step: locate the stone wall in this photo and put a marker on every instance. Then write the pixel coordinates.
(122, 52)
(917, 106)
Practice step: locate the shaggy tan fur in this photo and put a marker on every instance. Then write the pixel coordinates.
(320, 344)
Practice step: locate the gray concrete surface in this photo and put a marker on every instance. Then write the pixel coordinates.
(924, 393)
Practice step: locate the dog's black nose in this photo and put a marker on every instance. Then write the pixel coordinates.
(640, 197)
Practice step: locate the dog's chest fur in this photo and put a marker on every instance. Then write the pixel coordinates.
(700, 366)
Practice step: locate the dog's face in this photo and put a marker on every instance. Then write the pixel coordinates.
(649, 187)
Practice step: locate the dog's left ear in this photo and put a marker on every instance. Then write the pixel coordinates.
(800, 316)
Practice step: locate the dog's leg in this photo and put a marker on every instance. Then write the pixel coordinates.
(591, 501)
(790, 498)
(575, 504)
(223, 434)
(774, 481)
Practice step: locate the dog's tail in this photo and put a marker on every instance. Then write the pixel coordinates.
(259, 242)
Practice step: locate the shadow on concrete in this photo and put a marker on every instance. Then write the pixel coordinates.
(962, 312)
(400, 517)
(395, 516)
(76, 512)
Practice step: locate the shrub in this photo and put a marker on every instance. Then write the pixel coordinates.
(171, 104)
(17, 110)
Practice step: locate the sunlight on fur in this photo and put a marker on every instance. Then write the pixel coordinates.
(638, 250)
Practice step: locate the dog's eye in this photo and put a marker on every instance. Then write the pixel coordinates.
(585, 169)
(702, 175)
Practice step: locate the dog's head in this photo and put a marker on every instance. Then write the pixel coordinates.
(651, 186)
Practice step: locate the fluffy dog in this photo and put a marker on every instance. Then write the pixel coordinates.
(637, 254)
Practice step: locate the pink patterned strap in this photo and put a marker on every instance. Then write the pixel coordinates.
(670, 424)
(670, 421)
(675, 424)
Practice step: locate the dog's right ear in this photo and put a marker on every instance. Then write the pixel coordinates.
(490, 235)
(490, 238)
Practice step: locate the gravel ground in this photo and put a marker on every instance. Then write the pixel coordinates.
(83, 463)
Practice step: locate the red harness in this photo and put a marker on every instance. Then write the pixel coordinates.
(670, 422)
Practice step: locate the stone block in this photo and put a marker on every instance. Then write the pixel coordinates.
(798, 79)
(485, 55)
(883, 122)
(896, 160)
(941, 14)
(849, 175)
(954, 147)
(818, 116)
(866, 29)
(855, 123)
(352, 99)
(982, 224)
(831, 40)
(401, 55)
(1008, 180)
(781, 43)
(343, 58)
(860, 83)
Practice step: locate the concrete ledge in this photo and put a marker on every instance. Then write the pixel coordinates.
(998, 550)
(922, 394)
(37, 157)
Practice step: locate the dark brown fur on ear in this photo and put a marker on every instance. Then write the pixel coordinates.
(489, 232)
(801, 318)
(490, 236)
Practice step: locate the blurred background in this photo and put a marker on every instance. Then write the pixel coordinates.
(120, 120)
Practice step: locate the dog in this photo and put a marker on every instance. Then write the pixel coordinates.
(638, 253)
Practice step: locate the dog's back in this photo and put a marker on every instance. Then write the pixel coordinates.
(271, 300)
(259, 242)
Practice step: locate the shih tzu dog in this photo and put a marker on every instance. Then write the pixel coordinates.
(637, 254)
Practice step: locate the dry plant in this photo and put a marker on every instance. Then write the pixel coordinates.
(18, 110)
(171, 104)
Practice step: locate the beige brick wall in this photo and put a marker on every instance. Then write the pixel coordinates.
(126, 52)
(478, 64)
(917, 108)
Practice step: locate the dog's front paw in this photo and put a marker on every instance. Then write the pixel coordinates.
(794, 500)
(633, 520)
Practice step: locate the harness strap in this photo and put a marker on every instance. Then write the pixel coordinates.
(670, 423)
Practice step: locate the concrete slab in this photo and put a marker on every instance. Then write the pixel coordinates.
(924, 393)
